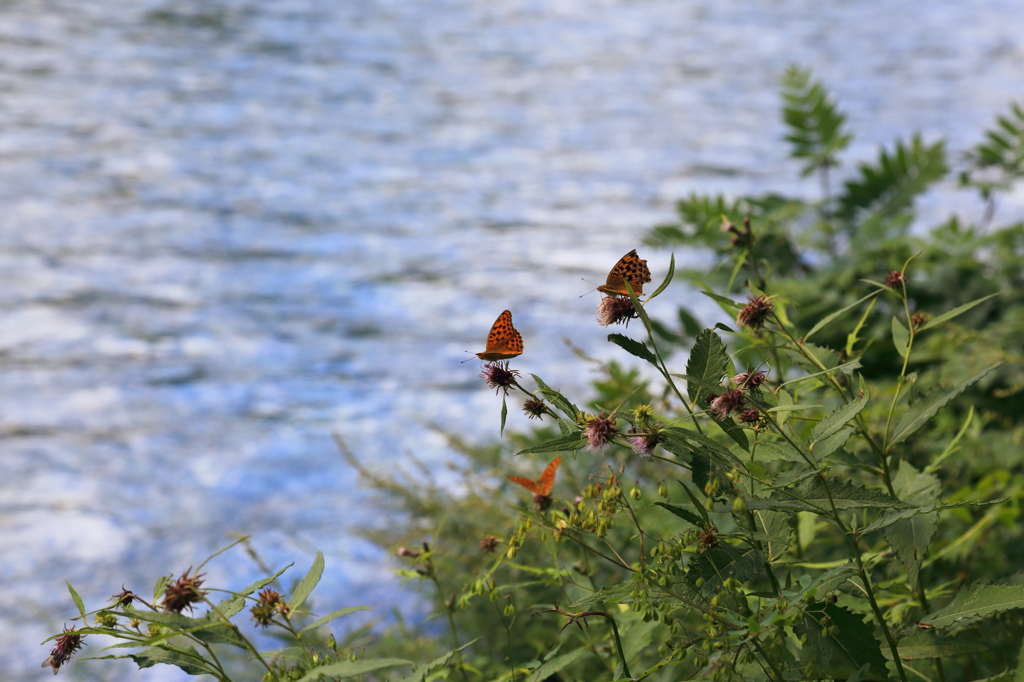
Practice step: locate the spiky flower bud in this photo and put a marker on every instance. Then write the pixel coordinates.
(755, 313)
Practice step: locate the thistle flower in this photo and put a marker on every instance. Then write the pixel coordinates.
(66, 645)
(707, 538)
(125, 598)
(917, 319)
(749, 380)
(755, 313)
(643, 444)
(499, 376)
(615, 310)
(183, 593)
(895, 280)
(488, 543)
(750, 416)
(721, 405)
(534, 408)
(599, 432)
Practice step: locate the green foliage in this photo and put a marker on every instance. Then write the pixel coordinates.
(815, 124)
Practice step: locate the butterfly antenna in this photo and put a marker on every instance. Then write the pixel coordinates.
(588, 282)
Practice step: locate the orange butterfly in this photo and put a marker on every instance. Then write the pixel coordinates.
(632, 268)
(541, 488)
(504, 341)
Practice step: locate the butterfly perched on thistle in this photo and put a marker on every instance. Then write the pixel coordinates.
(503, 342)
(630, 268)
(541, 488)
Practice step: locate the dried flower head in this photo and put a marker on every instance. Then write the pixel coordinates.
(707, 538)
(404, 551)
(615, 310)
(917, 319)
(895, 280)
(755, 313)
(499, 376)
(488, 543)
(719, 406)
(183, 593)
(125, 598)
(534, 408)
(599, 432)
(270, 602)
(742, 237)
(751, 381)
(66, 645)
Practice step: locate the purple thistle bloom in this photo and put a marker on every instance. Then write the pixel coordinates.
(499, 376)
(644, 444)
(722, 405)
(66, 645)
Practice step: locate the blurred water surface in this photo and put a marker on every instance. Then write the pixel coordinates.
(233, 226)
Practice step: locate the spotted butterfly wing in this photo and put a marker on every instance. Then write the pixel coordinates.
(631, 268)
(542, 486)
(504, 341)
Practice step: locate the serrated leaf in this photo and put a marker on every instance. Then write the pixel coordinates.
(772, 451)
(918, 414)
(889, 187)
(722, 562)
(813, 496)
(306, 585)
(609, 594)
(900, 337)
(294, 654)
(701, 443)
(773, 531)
(977, 601)
(331, 616)
(633, 347)
(910, 537)
(161, 586)
(352, 668)
(785, 401)
(929, 645)
(954, 312)
(570, 443)
(814, 124)
(828, 446)
(892, 517)
(845, 368)
(556, 664)
(840, 654)
(834, 421)
(682, 513)
(735, 431)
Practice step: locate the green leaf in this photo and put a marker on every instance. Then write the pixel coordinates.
(841, 654)
(633, 347)
(567, 443)
(828, 446)
(504, 413)
(910, 537)
(834, 421)
(889, 187)
(161, 586)
(722, 562)
(930, 645)
(900, 337)
(776, 532)
(682, 513)
(188, 659)
(918, 414)
(609, 594)
(977, 601)
(668, 278)
(294, 654)
(771, 451)
(845, 368)
(726, 303)
(892, 517)
(708, 363)
(77, 600)
(814, 124)
(955, 312)
(813, 496)
(701, 443)
(556, 664)
(306, 585)
(735, 431)
(696, 504)
(828, 318)
(352, 668)
(331, 616)
(785, 401)
(421, 673)
(557, 399)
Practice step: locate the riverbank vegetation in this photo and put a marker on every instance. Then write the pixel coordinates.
(824, 484)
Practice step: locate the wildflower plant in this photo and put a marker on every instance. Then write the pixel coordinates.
(824, 485)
